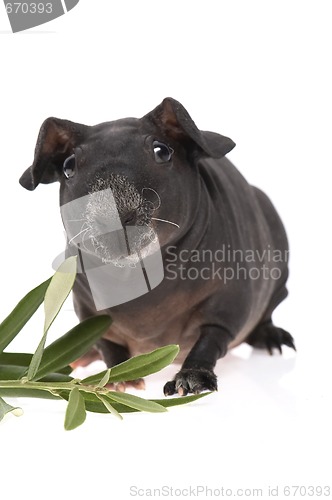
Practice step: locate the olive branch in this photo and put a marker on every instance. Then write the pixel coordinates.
(46, 373)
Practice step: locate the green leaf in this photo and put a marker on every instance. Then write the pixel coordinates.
(105, 379)
(110, 408)
(139, 366)
(72, 345)
(15, 358)
(14, 323)
(12, 372)
(93, 404)
(95, 379)
(135, 402)
(144, 364)
(6, 408)
(28, 393)
(20, 359)
(182, 400)
(75, 413)
(56, 293)
(59, 289)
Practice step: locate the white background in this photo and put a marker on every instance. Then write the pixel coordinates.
(260, 73)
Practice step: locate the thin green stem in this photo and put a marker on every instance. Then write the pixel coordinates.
(52, 387)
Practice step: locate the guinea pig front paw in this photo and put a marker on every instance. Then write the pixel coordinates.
(191, 380)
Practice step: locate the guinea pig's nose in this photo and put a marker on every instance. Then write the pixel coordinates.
(129, 218)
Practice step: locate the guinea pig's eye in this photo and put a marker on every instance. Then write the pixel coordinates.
(162, 152)
(69, 166)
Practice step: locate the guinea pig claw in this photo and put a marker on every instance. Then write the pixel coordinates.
(289, 341)
(182, 391)
(272, 343)
(169, 388)
(191, 380)
(270, 337)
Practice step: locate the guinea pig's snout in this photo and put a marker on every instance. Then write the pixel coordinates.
(104, 224)
(129, 218)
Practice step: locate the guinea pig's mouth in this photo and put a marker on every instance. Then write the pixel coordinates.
(119, 221)
(124, 246)
(114, 222)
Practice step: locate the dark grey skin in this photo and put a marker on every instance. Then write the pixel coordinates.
(209, 206)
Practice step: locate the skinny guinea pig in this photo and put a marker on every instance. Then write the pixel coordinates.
(222, 245)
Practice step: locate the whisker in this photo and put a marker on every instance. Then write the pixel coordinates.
(82, 231)
(74, 220)
(168, 221)
(84, 235)
(150, 189)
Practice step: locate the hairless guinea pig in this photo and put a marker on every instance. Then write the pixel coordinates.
(173, 242)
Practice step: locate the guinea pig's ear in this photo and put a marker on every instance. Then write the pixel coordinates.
(55, 143)
(173, 119)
